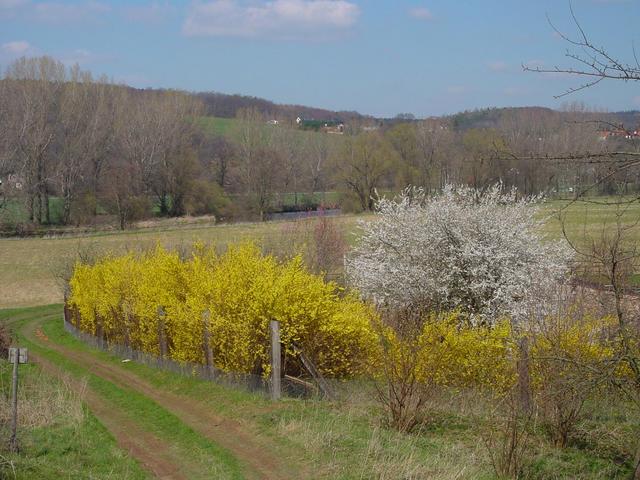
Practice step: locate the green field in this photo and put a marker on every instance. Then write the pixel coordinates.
(216, 125)
(587, 220)
(16, 212)
(28, 266)
(295, 438)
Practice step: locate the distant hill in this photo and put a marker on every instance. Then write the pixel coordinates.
(226, 106)
(630, 118)
(493, 117)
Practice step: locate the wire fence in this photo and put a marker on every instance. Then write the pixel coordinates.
(292, 387)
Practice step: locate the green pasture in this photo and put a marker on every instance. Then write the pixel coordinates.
(29, 267)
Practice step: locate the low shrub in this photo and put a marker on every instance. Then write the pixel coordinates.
(242, 290)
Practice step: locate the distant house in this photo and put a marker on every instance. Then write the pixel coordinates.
(618, 131)
(273, 122)
(13, 181)
(327, 126)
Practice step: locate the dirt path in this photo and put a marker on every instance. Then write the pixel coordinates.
(153, 453)
(226, 433)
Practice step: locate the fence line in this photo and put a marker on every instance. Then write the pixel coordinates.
(244, 381)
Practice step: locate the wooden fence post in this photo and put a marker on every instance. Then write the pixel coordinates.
(77, 317)
(162, 335)
(276, 366)
(13, 441)
(206, 340)
(127, 321)
(99, 330)
(524, 375)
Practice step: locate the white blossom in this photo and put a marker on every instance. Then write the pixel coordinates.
(480, 252)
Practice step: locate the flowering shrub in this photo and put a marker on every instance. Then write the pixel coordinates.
(456, 353)
(571, 359)
(451, 352)
(242, 290)
(420, 355)
(479, 252)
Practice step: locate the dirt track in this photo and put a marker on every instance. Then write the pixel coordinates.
(151, 451)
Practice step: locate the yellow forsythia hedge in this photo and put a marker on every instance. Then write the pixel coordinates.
(450, 352)
(118, 298)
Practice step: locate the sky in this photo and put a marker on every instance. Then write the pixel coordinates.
(382, 58)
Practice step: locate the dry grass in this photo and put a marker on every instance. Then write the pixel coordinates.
(42, 401)
(348, 440)
(28, 267)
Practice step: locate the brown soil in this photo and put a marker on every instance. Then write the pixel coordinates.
(151, 452)
(224, 432)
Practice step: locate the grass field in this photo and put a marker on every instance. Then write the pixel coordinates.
(28, 267)
(216, 125)
(587, 220)
(58, 436)
(304, 438)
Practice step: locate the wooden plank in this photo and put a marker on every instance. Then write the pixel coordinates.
(315, 373)
(276, 361)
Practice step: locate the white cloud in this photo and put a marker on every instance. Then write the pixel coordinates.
(154, 12)
(275, 18)
(421, 13)
(16, 48)
(57, 12)
(497, 66)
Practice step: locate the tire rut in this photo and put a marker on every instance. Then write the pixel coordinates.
(227, 433)
(150, 451)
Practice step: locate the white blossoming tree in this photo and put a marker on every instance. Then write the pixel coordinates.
(480, 252)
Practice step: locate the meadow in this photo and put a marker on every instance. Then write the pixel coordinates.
(29, 266)
(297, 438)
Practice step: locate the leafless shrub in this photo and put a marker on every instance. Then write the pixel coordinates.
(613, 257)
(561, 402)
(5, 341)
(403, 395)
(507, 437)
(320, 241)
(61, 267)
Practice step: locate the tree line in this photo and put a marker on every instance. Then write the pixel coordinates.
(96, 150)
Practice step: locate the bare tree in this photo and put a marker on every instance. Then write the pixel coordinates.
(318, 151)
(35, 84)
(435, 142)
(593, 62)
(84, 135)
(363, 164)
(259, 164)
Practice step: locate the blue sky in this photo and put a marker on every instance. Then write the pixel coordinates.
(377, 57)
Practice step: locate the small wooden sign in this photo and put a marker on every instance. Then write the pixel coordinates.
(22, 355)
